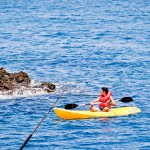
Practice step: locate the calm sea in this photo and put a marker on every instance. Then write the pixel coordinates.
(80, 46)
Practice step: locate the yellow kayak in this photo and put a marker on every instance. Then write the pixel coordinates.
(87, 114)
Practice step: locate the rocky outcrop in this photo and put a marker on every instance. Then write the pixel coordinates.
(49, 87)
(13, 81)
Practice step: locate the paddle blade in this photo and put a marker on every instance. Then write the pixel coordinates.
(71, 106)
(126, 99)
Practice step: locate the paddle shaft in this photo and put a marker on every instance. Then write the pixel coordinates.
(72, 106)
(89, 104)
(29, 137)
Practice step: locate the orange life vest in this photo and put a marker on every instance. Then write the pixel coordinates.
(105, 99)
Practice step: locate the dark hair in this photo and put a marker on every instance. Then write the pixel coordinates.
(105, 89)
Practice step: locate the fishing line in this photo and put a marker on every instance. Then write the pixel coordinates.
(28, 138)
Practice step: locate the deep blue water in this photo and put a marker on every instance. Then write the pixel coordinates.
(80, 46)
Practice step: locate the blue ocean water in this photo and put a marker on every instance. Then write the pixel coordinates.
(80, 46)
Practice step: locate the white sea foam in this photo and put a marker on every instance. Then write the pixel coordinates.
(23, 92)
(67, 87)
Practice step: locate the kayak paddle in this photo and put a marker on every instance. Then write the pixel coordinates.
(72, 105)
(126, 99)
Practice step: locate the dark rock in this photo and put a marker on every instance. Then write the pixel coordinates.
(21, 78)
(12, 81)
(49, 87)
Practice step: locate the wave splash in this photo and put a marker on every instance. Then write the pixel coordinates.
(23, 91)
(70, 88)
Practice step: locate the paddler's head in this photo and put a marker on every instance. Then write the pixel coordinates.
(104, 91)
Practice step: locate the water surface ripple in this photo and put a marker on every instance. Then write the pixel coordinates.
(81, 45)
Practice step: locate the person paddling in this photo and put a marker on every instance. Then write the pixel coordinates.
(104, 101)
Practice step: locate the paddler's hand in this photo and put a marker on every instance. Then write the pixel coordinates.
(111, 103)
(91, 103)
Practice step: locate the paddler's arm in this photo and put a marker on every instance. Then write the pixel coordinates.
(112, 101)
(95, 101)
